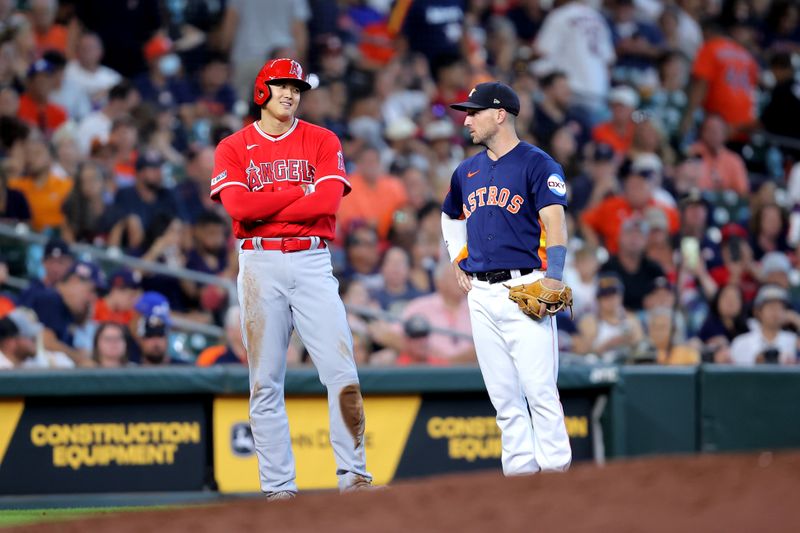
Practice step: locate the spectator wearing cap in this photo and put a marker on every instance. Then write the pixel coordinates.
(66, 310)
(650, 164)
(604, 221)
(446, 308)
(94, 129)
(417, 348)
(124, 289)
(110, 346)
(767, 342)
(405, 150)
(610, 332)
(444, 154)
(35, 107)
(144, 199)
(738, 265)
(44, 191)
(18, 336)
(724, 78)
(57, 262)
(618, 131)
(162, 86)
(375, 195)
(776, 269)
(233, 351)
(153, 341)
(86, 71)
(722, 169)
(631, 264)
(153, 329)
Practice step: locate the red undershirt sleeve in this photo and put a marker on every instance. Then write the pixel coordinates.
(324, 201)
(246, 206)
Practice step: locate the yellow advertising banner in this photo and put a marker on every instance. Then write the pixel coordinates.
(10, 413)
(388, 423)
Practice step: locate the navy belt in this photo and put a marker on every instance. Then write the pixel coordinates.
(499, 276)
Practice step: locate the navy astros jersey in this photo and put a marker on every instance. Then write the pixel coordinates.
(501, 202)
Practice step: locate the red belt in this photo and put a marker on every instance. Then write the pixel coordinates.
(285, 245)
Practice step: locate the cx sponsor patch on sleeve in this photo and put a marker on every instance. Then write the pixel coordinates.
(556, 185)
(219, 177)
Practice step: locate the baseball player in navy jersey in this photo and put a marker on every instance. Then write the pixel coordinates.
(503, 222)
(281, 180)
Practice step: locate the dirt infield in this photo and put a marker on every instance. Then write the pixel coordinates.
(747, 493)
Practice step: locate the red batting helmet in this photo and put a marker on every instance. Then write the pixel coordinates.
(275, 71)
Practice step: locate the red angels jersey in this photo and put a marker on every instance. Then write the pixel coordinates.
(250, 158)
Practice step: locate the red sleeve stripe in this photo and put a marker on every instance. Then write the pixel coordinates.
(216, 190)
(333, 177)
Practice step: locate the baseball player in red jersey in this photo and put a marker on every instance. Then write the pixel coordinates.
(281, 180)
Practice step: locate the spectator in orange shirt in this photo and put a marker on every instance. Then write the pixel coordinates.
(233, 351)
(723, 169)
(49, 35)
(603, 222)
(124, 290)
(375, 195)
(44, 191)
(35, 107)
(618, 132)
(724, 78)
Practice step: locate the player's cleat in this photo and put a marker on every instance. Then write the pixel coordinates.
(280, 495)
(362, 484)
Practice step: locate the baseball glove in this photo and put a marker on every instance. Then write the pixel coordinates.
(530, 297)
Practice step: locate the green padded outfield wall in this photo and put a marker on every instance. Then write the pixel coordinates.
(749, 409)
(653, 411)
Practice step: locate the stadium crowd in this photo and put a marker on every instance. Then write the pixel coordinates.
(677, 124)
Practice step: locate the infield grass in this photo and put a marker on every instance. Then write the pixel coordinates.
(17, 517)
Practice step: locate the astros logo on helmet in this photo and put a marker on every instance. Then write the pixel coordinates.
(274, 71)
